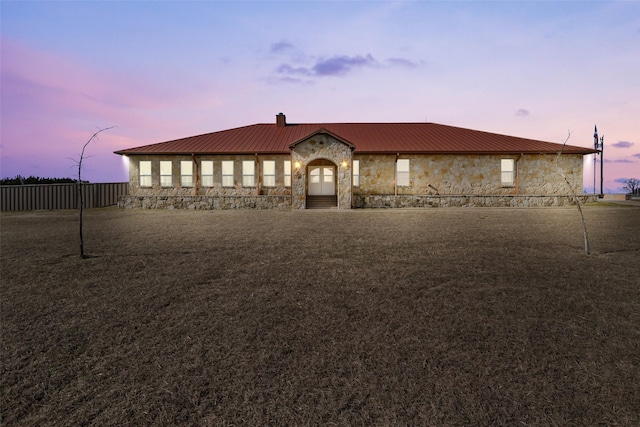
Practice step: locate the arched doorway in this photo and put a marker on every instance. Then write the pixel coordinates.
(321, 187)
(327, 157)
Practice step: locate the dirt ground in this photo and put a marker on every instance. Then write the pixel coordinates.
(436, 317)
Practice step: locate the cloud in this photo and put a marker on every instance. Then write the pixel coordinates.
(401, 62)
(341, 65)
(622, 144)
(334, 66)
(621, 180)
(288, 69)
(300, 67)
(618, 161)
(636, 155)
(51, 104)
(522, 112)
(281, 47)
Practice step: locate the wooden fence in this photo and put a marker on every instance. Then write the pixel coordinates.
(60, 196)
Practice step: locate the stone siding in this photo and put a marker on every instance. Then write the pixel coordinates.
(199, 190)
(469, 174)
(321, 147)
(371, 201)
(458, 180)
(205, 202)
(443, 201)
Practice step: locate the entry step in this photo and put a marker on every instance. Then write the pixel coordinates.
(322, 202)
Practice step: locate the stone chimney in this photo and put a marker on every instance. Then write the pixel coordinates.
(281, 120)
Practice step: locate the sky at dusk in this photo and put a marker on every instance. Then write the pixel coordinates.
(165, 70)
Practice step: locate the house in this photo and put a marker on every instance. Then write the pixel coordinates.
(346, 165)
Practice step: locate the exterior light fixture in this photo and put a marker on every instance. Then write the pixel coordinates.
(344, 163)
(297, 165)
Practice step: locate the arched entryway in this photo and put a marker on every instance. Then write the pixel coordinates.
(327, 157)
(322, 185)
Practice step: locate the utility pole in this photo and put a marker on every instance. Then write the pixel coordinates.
(599, 146)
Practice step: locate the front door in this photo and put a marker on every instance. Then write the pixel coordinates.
(322, 181)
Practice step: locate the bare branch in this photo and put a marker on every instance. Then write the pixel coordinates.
(575, 197)
(80, 192)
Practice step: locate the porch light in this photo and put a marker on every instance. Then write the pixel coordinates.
(125, 164)
(344, 163)
(297, 165)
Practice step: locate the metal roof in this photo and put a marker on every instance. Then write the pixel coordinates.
(406, 138)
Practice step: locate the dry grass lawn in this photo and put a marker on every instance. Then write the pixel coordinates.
(369, 317)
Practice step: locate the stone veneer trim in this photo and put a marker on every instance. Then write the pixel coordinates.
(371, 201)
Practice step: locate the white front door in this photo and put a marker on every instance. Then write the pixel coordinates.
(322, 181)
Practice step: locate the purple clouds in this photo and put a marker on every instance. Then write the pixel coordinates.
(341, 65)
(333, 66)
(300, 65)
(281, 47)
(622, 144)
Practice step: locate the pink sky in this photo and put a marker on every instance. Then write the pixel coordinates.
(165, 70)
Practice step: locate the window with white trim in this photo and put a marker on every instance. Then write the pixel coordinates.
(402, 172)
(186, 173)
(269, 173)
(165, 173)
(206, 173)
(287, 173)
(356, 173)
(248, 173)
(227, 173)
(508, 172)
(145, 173)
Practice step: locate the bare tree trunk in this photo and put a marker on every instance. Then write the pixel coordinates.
(575, 197)
(80, 190)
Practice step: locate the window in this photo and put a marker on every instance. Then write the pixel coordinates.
(186, 173)
(165, 174)
(508, 172)
(248, 173)
(327, 176)
(269, 173)
(287, 173)
(145, 173)
(227, 173)
(356, 173)
(402, 172)
(206, 168)
(314, 176)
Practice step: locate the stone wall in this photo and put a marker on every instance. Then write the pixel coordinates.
(519, 201)
(198, 189)
(469, 174)
(321, 147)
(457, 177)
(205, 202)
(370, 201)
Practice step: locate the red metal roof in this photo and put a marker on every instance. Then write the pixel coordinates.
(428, 138)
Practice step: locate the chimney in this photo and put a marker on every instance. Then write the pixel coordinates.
(281, 120)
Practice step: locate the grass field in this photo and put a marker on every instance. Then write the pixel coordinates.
(437, 317)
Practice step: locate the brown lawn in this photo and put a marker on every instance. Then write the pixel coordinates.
(369, 317)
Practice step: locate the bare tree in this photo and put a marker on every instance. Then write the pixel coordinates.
(632, 185)
(575, 197)
(80, 189)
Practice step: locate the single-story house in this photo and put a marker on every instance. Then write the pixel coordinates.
(346, 165)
